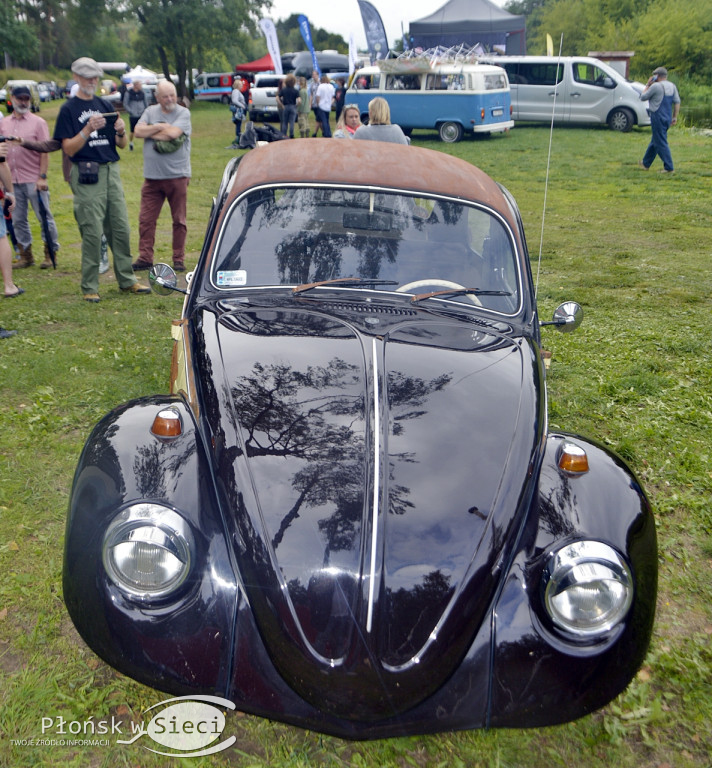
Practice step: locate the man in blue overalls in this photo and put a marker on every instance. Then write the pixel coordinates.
(663, 106)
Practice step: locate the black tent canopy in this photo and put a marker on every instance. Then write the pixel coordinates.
(470, 22)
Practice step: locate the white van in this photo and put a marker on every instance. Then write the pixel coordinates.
(589, 91)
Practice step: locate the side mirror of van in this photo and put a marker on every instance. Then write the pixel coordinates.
(609, 82)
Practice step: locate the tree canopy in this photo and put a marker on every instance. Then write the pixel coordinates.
(175, 36)
(673, 33)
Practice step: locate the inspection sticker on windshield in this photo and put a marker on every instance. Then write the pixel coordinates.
(231, 278)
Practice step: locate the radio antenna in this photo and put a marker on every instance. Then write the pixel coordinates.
(548, 163)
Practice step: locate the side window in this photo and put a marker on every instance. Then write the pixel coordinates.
(403, 83)
(495, 82)
(456, 82)
(366, 82)
(539, 74)
(590, 74)
(213, 82)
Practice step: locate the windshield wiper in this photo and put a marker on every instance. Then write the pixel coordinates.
(345, 282)
(459, 292)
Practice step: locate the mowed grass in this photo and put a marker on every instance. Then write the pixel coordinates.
(632, 247)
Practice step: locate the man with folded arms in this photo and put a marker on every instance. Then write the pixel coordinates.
(165, 128)
(90, 139)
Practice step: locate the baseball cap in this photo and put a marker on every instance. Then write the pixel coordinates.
(21, 90)
(660, 71)
(86, 67)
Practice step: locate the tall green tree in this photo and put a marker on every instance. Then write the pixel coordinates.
(184, 34)
(17, 38)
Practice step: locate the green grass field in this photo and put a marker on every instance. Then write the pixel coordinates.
(632, 247)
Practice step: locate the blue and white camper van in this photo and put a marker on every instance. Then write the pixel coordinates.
(452, 98)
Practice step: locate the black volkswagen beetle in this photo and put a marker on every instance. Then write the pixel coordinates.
(349, 514)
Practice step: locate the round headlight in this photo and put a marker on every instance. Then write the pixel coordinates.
(146, 550)
(588, 588)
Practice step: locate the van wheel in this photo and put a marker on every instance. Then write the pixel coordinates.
(225, 99)
(450, 132)
(620, 120)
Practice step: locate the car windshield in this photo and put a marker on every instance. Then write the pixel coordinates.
(290, 236)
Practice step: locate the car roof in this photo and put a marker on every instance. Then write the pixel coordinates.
(367, 163)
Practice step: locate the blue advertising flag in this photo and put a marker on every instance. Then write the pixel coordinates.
(375, 31)
(305, 29)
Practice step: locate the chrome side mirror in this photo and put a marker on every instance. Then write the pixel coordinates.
(163, 280)
(567, 317)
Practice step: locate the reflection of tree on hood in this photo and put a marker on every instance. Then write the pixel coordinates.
(310, 415)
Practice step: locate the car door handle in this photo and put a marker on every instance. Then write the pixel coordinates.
(575, 94)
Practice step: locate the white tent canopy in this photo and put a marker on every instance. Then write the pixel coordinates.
(142, 74)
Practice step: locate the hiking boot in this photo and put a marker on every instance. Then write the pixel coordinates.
(47, 263)
(141, 264)
(26, 258)
(136, 288)
(94, 298)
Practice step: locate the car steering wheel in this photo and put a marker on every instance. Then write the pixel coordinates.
(440, 284)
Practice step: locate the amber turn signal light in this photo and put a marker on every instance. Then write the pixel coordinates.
(572, 458)
(167, 424)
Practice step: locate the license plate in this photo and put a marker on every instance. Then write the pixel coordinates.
(497, 112)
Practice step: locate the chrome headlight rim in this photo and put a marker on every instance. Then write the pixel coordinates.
(150, 531)
(581, 567)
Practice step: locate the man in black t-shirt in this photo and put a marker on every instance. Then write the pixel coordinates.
(90, 140)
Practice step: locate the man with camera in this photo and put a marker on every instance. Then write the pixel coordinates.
(90, 132)
(663, 107)
(29, 176)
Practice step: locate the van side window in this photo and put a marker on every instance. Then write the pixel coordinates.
(590, 74)
(495, 82)
(213, 82)
(457, 82)
(366, 82)
(539, 74)
(403, 83)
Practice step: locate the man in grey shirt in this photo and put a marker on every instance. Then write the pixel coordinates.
(663, 106)
(165, 128)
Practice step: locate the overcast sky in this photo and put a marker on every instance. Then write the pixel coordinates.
(344, 16)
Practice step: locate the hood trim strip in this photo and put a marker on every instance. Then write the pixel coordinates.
(376, 485)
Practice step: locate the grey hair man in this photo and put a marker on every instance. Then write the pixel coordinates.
(165, 128)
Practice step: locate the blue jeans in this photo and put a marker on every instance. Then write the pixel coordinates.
(658, 146)
(324, 120)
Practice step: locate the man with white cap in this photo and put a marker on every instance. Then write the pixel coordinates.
(90, 132)
(663, 107)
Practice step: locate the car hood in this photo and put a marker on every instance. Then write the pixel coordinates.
(372, 484)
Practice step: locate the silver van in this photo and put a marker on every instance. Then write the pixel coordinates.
(588, 91)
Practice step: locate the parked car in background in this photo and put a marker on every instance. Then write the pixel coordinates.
(576, 89)
(349, 514)
(213, 86)
(44, 92)
(109, 90)
(35, 99)
(68, 88)
(263, 97)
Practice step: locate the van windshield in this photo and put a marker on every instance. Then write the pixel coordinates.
(287, 236)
